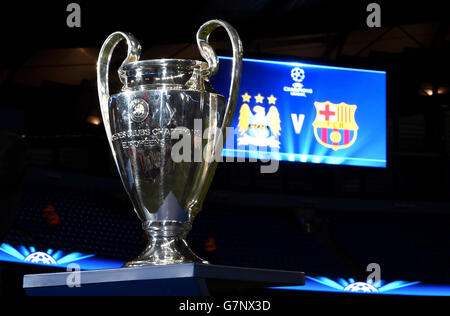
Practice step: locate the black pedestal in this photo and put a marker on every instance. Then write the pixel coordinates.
(189, 279)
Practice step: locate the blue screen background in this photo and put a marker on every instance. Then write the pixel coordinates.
(364, 88)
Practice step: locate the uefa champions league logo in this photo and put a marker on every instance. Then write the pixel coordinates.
(297, 74)
(297, 88)
(360, 287)
(138, 109)
(32, 256)
(352, 286)
(40, 257)
(373, 284)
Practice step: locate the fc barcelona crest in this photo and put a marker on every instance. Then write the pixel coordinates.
(335, 126)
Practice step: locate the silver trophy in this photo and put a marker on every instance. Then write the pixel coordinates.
(159, 99)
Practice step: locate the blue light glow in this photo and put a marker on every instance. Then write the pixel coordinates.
(324, 284)
(54, 258)
(300, 64)
(6, 248)
(327, 282)
(320, 283)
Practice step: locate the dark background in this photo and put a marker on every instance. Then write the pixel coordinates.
(324, 220)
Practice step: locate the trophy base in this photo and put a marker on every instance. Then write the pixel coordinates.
(190, 279)
(165, 250)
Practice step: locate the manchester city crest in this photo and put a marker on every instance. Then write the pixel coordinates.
(257, 126)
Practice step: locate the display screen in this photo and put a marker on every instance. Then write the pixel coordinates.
(309, 113)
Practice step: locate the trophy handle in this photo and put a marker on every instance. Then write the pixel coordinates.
(134, 50)
(210, 56)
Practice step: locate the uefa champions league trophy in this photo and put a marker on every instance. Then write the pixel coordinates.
(159, 98)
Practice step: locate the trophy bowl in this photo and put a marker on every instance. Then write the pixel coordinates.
(166, 128)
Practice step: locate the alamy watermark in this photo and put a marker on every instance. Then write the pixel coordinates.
(74, 277)
(374, 277)
(195, 146)
(74, 17)
(374, 18)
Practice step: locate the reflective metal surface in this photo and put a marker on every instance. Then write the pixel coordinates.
(162, 102)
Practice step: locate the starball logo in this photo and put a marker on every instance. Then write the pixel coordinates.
(297, 88)
(49, 257)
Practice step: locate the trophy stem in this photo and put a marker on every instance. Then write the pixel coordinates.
(167, 245)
